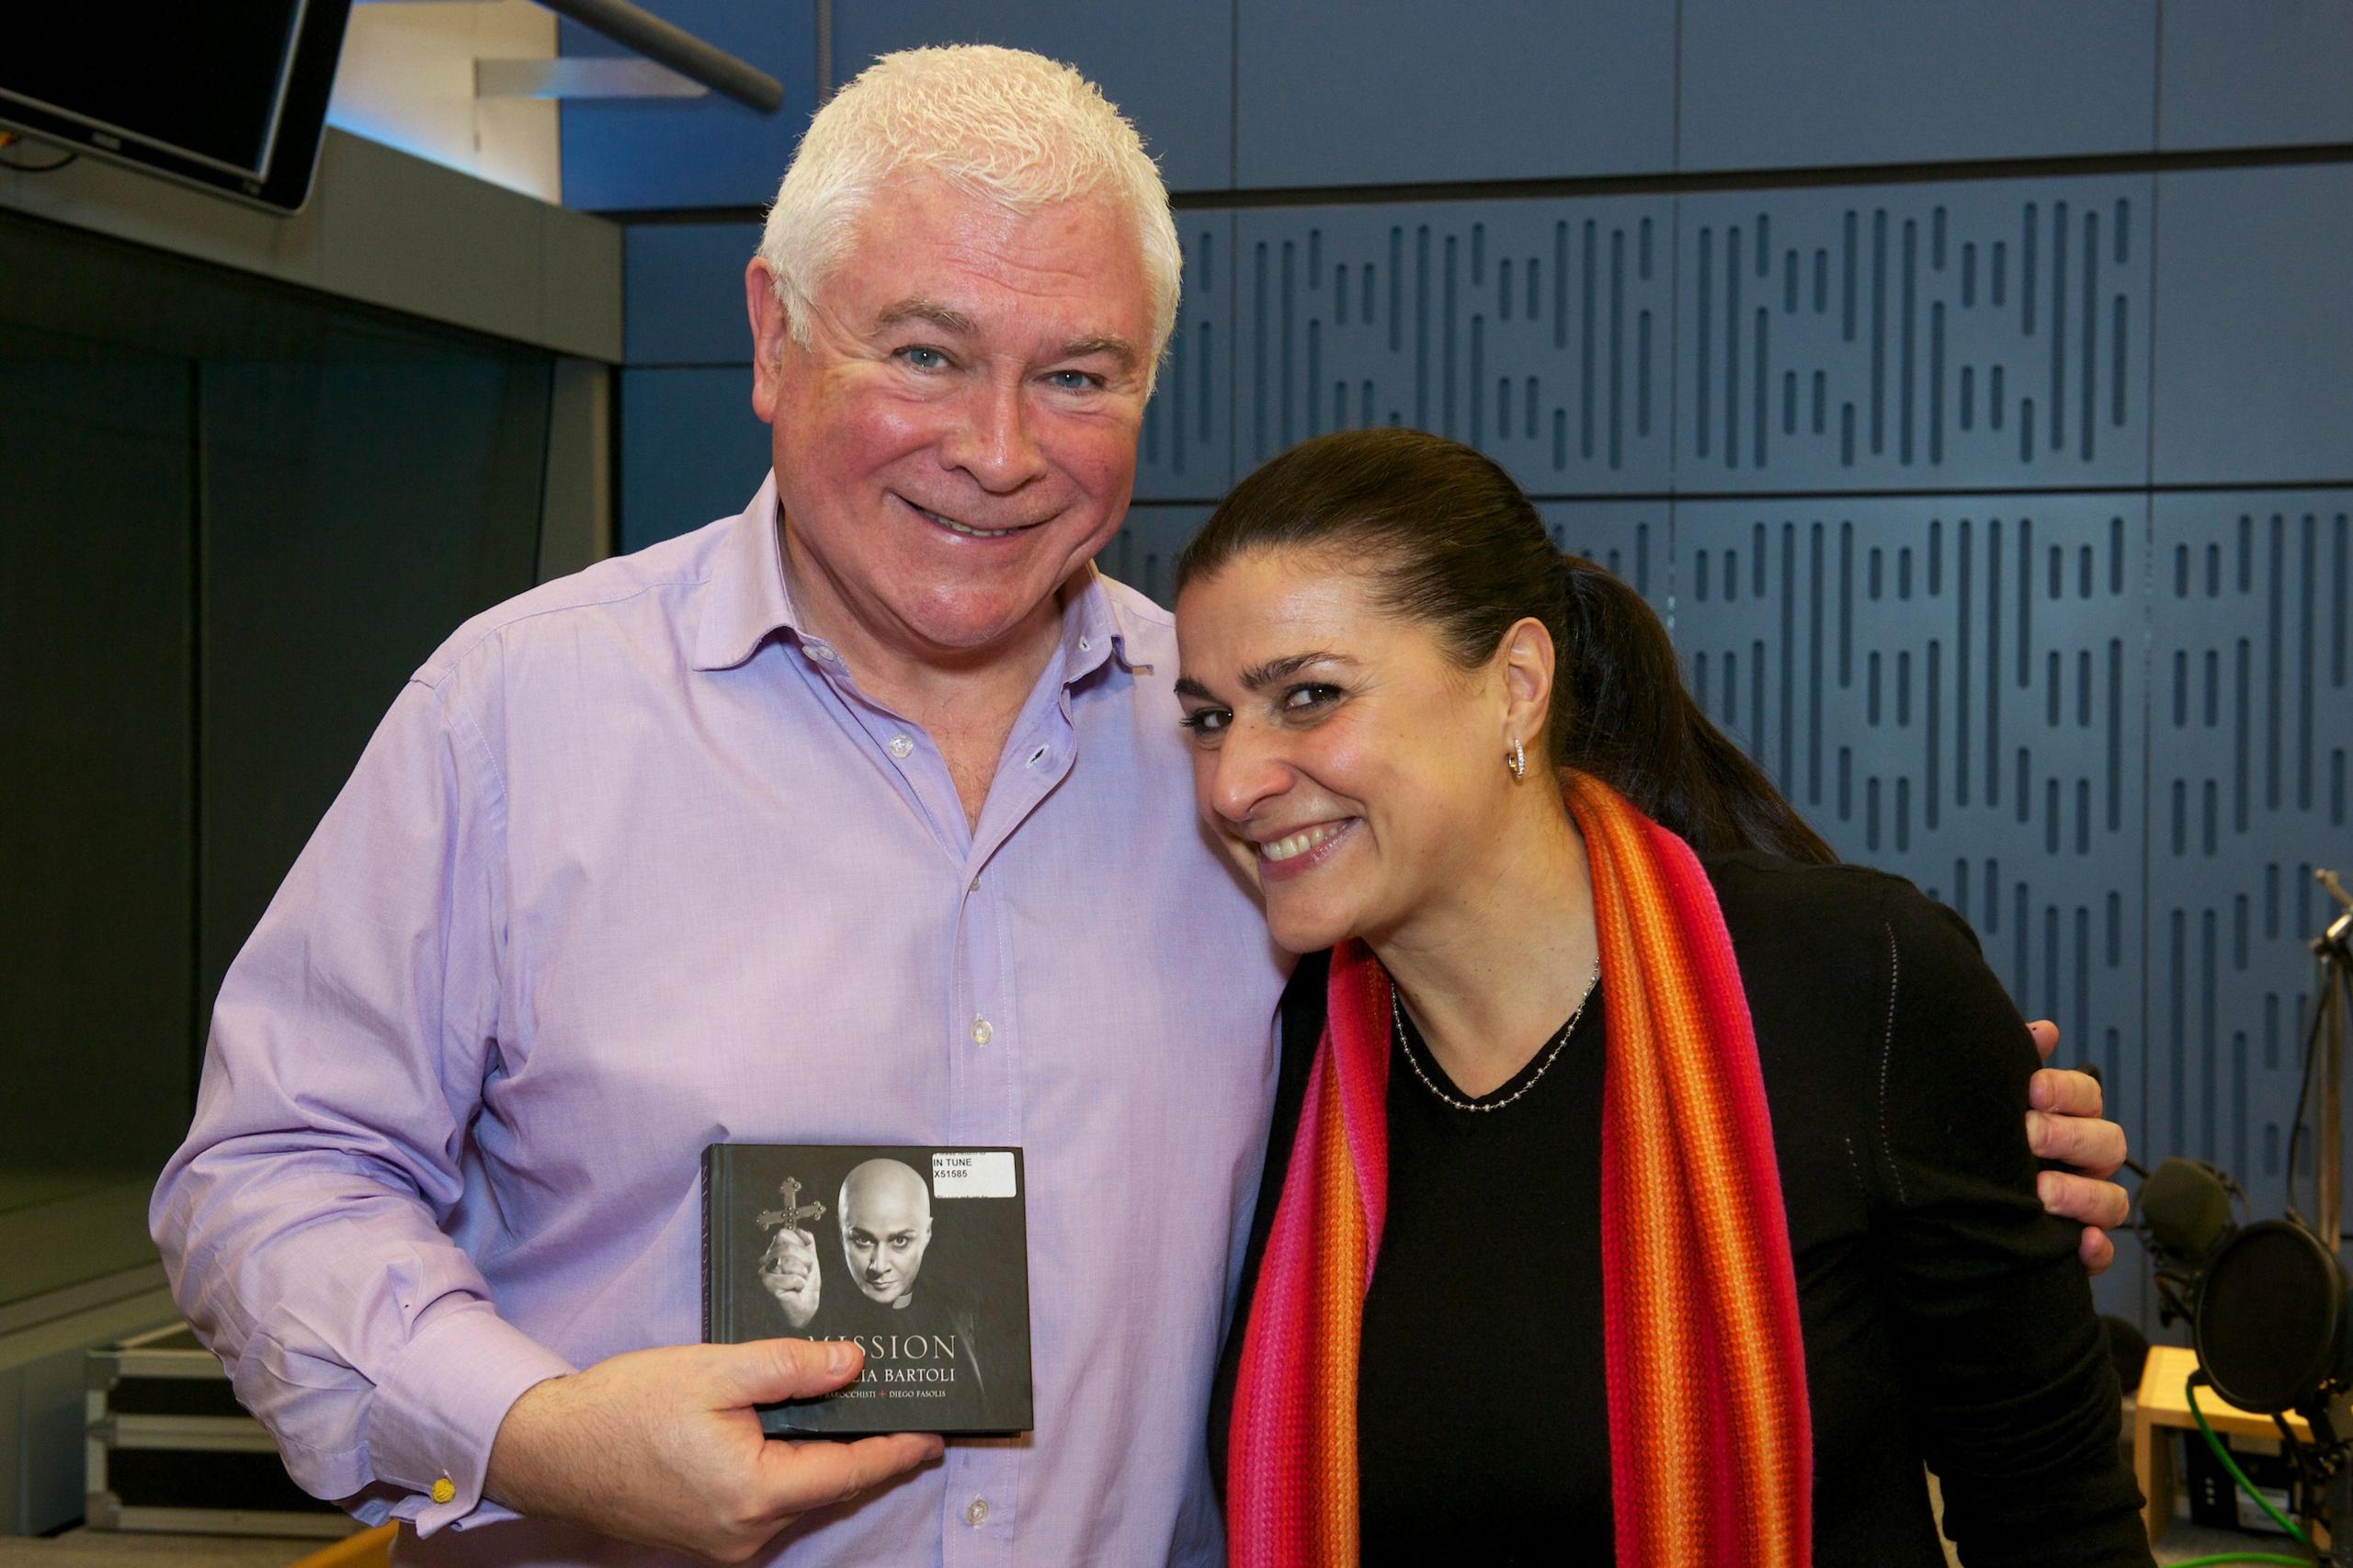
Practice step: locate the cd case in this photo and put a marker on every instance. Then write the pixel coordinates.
(919, 1253)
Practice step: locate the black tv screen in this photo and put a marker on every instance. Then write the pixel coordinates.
(231, 95)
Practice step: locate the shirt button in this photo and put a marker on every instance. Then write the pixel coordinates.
(819, 651)
(976, 1512)
(982, 1033)
(1084, 646)
(900, 746)
(444, 1490)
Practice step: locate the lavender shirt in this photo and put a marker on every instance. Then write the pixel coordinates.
(631, 867)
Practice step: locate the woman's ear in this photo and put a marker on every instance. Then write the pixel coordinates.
(1526, 658)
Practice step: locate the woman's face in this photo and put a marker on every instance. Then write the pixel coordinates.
(1351, 768)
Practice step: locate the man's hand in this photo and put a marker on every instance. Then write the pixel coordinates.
(2064, 1124)
(662, 1447)
(789, 1272)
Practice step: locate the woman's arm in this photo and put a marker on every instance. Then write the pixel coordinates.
(2009, 1379)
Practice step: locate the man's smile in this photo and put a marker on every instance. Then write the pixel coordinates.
(968, 529)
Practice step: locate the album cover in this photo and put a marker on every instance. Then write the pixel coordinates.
(918, 1253)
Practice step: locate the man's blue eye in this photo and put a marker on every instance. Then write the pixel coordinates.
(924, 359)
(1073, 380)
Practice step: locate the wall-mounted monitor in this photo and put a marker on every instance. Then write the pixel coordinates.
(231, 97)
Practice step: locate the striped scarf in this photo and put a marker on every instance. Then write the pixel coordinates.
(1710, 1446)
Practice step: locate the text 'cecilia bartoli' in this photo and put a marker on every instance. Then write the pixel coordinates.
(931, 1348)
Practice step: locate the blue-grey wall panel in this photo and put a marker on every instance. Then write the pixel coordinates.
(706, 151)
(2250, 718)
(1954, 691)
(1630, 538)
(1168, 64)
(2254, 292)
(2268, 75)
(1142, 554)
(1977, 334)
(1187, 450)
(691, 449)
(682, 293)
(1533, 330)
(1831, 83)
(1386, 92)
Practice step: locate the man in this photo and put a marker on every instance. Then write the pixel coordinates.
(876, 783)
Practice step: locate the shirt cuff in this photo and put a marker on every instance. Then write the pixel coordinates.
(432, 1421)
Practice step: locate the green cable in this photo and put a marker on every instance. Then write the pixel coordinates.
(2242, 1557)
(2189, 1389)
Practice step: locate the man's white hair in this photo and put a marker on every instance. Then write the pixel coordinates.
(1003, 124)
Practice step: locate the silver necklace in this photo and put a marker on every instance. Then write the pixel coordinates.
(1397, 1018)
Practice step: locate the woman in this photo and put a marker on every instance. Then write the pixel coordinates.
(1574, 1235)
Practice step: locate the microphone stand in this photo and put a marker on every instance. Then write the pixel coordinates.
(2335, 972)
(2333, 978)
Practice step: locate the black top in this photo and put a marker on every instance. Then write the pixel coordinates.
(1947, 1319)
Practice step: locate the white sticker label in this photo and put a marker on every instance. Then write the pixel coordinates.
(986, 1173)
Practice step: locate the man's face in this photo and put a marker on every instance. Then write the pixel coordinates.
(886, 1226)
(959, 435)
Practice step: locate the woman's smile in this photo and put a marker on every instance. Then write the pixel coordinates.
(1295, 854)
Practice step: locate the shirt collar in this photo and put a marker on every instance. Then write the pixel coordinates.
(1092, 633)
(747, 601)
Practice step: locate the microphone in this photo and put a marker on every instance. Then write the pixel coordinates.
(2188, 1209)
(2269, 1321)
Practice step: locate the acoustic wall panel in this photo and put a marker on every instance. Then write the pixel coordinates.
(1953, 690)
(1168, 64)
(657, 154)
(2238, 75)
(691, 450)
(1536, 330)
(2254, 287)
(1142, 554)
(682, 293)
(1964, 336)
(2251, 716)
(1390, 92)
(1186, 451)
(1836, 82)
(1629, 538)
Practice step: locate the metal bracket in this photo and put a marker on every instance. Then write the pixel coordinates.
(661, 42)
(582, 76)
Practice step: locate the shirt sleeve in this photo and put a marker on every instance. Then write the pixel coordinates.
(303, 1222)
(2012, 1388)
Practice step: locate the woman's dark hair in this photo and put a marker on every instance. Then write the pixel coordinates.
(1450, 543)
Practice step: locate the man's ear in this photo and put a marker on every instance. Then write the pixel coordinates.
(1526, 655)
(772, 326)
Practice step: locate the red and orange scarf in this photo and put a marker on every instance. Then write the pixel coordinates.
(1710, 1447)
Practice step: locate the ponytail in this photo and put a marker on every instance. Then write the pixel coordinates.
(1452, 543)
(1620, 713)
